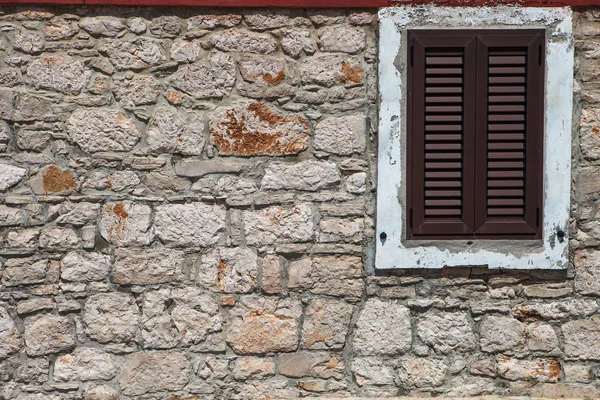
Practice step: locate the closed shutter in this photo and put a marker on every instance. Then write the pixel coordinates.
(475, 102)
(510, 82)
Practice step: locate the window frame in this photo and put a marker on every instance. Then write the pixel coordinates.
(392, 248)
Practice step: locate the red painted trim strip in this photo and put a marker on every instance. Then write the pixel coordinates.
(311, 3)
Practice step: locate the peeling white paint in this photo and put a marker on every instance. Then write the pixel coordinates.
(550, 252)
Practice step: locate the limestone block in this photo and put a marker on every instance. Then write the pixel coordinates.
(147, 266)
(171, 130)
(82, 266)
(10, 175)
(135, 54)
(54, 180)
(60, 29)
(422, 372)
(257, 129)
(349, 230)
(330, 70)
(501, 334)
(277, 224)
(446, 331)
(372, 371)
(111, 317)
(582, 338)
(102, 129)
(342, 38)
(341, 135)
(136, 90)
(264, 325)
(60, 73)
(213, 76)
(382, 328)
(208, 21)
(126, 224)
(10, 339)
(231, 270)
(305, 175)
(253, 367)
(194, 225)
(557, 310)
(185, 50)
(24, 271)
(48, 334)
(326, 324)
(329, 275)
(85, 364)
(295, 41)
(165, 26)
(172, 317)
(540, 370)
(155, 371)
(244, 41)
(102, 25)
(541, 337)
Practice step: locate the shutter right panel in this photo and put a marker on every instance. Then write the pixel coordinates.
(510, 133)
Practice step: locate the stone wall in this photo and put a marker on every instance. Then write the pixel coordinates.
(186, 212)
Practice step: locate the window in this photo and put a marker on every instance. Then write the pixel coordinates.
(505, 157)
(475, 140)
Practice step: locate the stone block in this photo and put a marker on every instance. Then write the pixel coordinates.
(172, 130)
(372, 371)
(209, 77)
(82, 266)
(538, 370)
(326, 324)
(305, 175)
(342, 38)
(279, 224)
(243, 41)
(189, 225)
(383, 328)
(48, 334)
(422, 372)
(256, 129)
(316, 364)
(126, 224)
(10, 339)
(156, 371)
(231, 270)
(253, 368)
(446, 331)
(85, 364)
(111, 317)
(582, 338)
(501, 334)
(102, 25)
(24, 271)
(147, 266)
(60, 73)
(329, 275)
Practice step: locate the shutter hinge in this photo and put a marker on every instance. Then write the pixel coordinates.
(410, 218)
(537, 217)
(412, 56)
(540, 54)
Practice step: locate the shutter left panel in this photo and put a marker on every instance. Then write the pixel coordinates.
(441, 125)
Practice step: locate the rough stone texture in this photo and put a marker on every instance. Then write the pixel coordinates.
(339, 276)
(372, 371)
(172, 130)
(134, 54)
(58, 73)
(126, 224)
(279, 224)
(341, 135)
(581, 338)
(81, 266)
(256, 129)
(187, 211)
(149, 372)
(48, 334)
(446, 332)
(119, 131)
(85, 364)
(189, 225)
(306, 175)
(10, 340)
(382, 328)
(178, 317)
(147, 266)
(500, 334)
(231, 270)
(341, 38)
(207, 78)
(111, 317)
(262, 325)
(238, 40)
(420, 372)
(326, 324)
(539, 370)
(10, 175)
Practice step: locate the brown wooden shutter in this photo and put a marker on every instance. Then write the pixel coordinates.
(510, 84)
(441, 143)
(475, 123)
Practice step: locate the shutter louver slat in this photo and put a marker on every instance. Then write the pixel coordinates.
(506, 118)
(444, 75)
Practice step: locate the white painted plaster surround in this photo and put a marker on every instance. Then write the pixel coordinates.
(548, 253)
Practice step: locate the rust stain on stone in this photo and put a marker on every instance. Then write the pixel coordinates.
(352, 74)
(222, 267)
(119, 211)
(239, 139)
(50, 61)
(55, 180)
(173, 97)
(273, 80)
